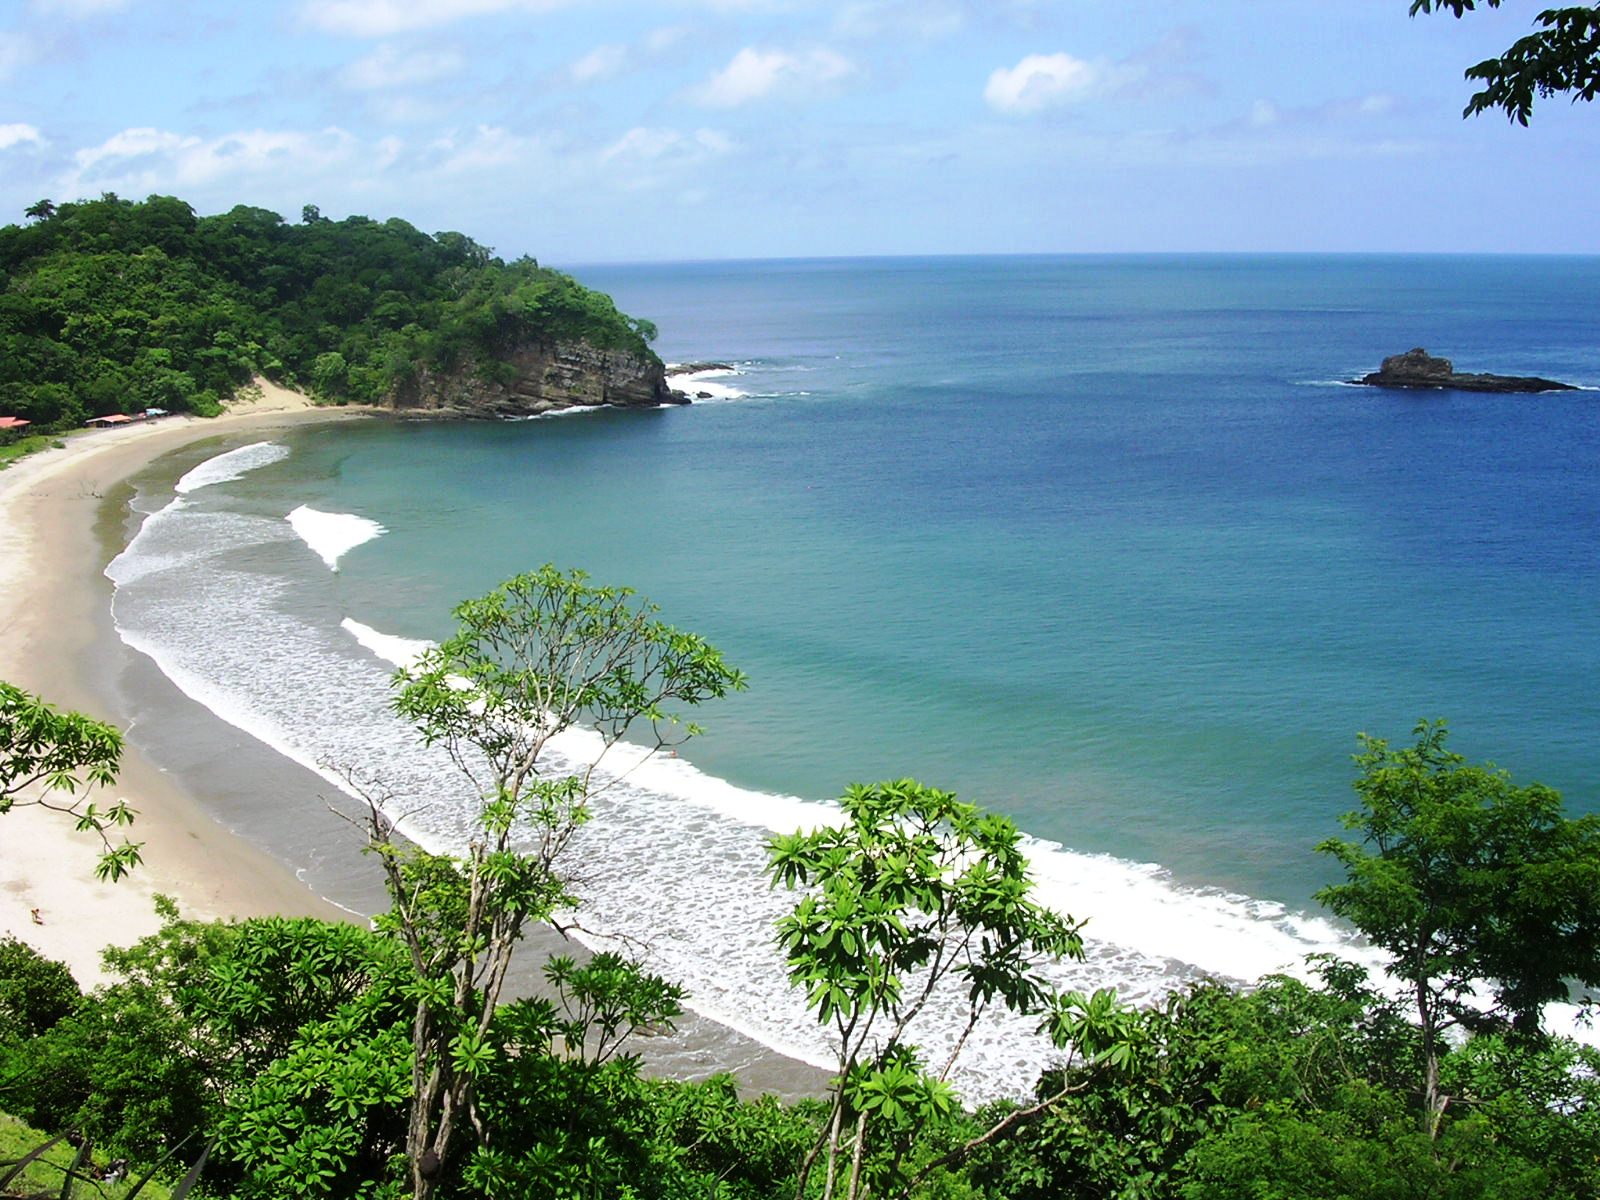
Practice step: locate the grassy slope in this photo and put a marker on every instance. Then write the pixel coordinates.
(45, 1175)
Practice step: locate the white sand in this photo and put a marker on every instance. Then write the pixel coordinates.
(53, 600)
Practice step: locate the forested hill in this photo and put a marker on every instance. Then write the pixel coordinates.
(115, 306)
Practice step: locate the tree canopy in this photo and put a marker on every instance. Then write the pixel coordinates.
(914, 891)
(542, 653)
(114, 306)
(48, 758)
(1562, 56)
(1481, 891)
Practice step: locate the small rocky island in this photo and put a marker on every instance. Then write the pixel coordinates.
(1419, 369)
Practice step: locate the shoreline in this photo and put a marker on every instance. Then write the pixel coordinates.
(57, 508)
(199, 785)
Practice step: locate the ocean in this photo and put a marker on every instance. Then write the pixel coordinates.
(1106, 543)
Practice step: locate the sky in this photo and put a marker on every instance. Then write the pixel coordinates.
(632, 130)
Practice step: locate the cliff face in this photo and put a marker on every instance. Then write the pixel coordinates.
(539, 379)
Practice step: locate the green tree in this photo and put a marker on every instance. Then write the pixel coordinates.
(47, 755)
(329, 375)
(542, 653)
(1562, 56)
(914, 889)
(35, 992)
(1540, 1100)
(1198, 1062)
(41, 210)
(275, 1034)
(1480, 891)
(1365, 1147)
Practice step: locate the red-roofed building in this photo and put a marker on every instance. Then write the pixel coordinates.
(13, 423)
(112, 419)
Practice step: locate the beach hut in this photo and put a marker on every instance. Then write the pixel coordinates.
(106, 421)
(7, 424)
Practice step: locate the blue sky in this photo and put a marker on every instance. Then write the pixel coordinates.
(598, 130)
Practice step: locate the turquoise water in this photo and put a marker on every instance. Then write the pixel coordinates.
(1104, 543)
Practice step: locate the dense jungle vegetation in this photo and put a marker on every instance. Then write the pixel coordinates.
(111, 306)
(286, 1042)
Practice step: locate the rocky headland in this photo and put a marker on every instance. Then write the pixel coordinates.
(1418, 369)
(537, 379)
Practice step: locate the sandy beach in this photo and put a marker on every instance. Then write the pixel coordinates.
(63, 516)
(54, 603)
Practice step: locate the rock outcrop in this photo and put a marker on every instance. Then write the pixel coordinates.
(694, 368)
(540, 379)
(1419, 369)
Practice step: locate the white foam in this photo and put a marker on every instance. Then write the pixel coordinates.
(232, 465)
(693, 383)
(551, 414)
(397, 651)
(332, 535)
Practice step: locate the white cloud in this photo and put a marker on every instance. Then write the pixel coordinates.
(18, 134)
(1265, 115)
(755, 74)
(390, 67)
(600, 63)
(925, 19)
(660, 160)
(657, 145)
(384, 18)
(1042, 81)
(150, 160)
(487, 147)
(285, 166)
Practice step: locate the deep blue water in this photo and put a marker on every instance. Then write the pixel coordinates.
(1101, 542)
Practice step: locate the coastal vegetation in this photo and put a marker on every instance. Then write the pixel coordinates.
(50, 759)
(326, 1060)
(1562, 56)
(542, 653)
(1481, 892)
(114, 306)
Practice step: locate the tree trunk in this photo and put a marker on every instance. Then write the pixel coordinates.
(1432, 1102)
(856, 1155)
(833, 1150)
(424, 1090)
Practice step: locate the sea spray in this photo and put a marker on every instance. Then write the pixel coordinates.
(706, 386)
